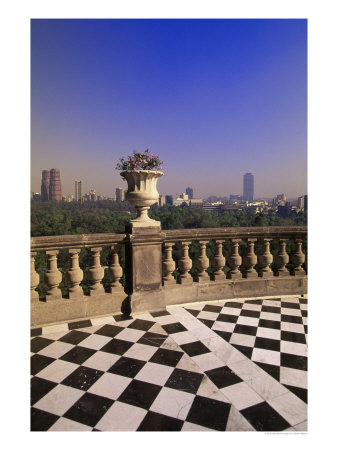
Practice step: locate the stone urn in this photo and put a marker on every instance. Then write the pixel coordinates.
(142, 193)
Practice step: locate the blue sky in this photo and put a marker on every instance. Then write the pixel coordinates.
(214, 98)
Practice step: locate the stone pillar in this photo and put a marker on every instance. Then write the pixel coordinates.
(298, 258)
(265, 260)
(115, 270)
(202, 262)
(185, 264)
(96, 273)
(282, 259)
(53, 276)
(34, 279)
(168, 264)
(75, 275)
(218, 262)
(235, 260)
(250, 259)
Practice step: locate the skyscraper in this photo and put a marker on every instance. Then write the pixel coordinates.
(55, 185)
(248, 187)
(190, 192)
(45, 186)
(78, 190)
(119, 195)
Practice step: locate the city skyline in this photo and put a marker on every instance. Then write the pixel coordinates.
(214, 98)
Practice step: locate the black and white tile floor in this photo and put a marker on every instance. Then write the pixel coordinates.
(230, 365)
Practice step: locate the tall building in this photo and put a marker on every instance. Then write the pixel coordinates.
(190, 192)
(119, 194)
(169, 199)
(55, 185)
(161, 200)
(78, 190)
(248, 187)
(300, 202)
(45, 186)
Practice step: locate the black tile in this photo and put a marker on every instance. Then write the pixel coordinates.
(208, 323)
(140, 324)
(36, 332)
(247, 351)
(254, 302)
(195, 348)
(109, 330)
(79, 324)
(267, 344)
(249, 313)
(290, 305)
(264, 418)
(158, 422)
(184, 380)
(271, 309)
(209, 413)
(164, 312)
(122, 317)
(300, 392)
(293, 337)
(89, 409)
(303, 300)
(74, 337)
(223, 377)
(291, 319)
(39, 362)
(293, 361)
(172, 328)
(139, 393)
(154, 339)
(39, 388)
(117, 346)
(305, 329)
(194, 312)
(78, 355)
(212, 308)
(41, 420)
(272, 370)
(166, 357)
(224, 334)
(82, 378)
(227, 318)
(304, 313)
(269, 324)
(38, 343)
(245, 329)
(234, 305)
(127, 367)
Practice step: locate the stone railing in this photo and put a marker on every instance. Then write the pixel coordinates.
(153, 279)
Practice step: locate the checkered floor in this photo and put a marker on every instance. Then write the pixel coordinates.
(228, 365)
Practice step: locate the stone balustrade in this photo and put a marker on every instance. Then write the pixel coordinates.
(160, 269)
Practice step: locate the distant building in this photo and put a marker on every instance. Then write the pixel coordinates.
(78, 190)
(196, 202)
(234, 198)
(280, 200)
(45, 186)
(190, 192)
(55, 192)
(169, 199)
(216, 207)
(305, 202)
(119, 194)
(248, 187)
(92, 195)
(162, 200)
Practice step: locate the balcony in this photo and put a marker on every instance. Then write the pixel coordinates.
(199, 329)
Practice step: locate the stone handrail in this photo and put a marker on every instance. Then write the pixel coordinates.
(74, 240)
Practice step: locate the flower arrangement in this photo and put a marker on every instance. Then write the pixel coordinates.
(140, 161)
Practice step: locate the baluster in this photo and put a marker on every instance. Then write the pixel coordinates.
(53, 276)
(218, 262)
(202, 262)
(235, 260)
(298, 258)
(168, 264)
(265, 260)
(115, 270)
(34, 279)
(282, 258)
(75, 274)
(250, 259)
(96, 272)
(185, 264)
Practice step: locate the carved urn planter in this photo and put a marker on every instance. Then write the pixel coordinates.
(142, 192)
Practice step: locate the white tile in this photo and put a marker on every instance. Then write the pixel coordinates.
(266, 356)
(270, 316)
(91, 330)
(110, 385)
(55, 336)
(252, 307)
(301, 426)
(294, 348)
(103, 320)
(291, 312)
(243, 339)
(271, 303)
(269, 333)
(207, 361)
(57, 371)
(184, 337)
(140, 351)
(131, 335)
(305, 320)
(63, 424)
(56, 349)
(59, 399)
(95, 341)
(245, 369)
(214, 343)
(293, 377)
(236, 422)
(210, 390)
(186, 363)
(241, 395)
(154, 373)
(293, 327)
(156, 328)
(224, 326)
(200, 330)
(189, 426)
(289, 406)
(251, 321)
(101, 361)
(208, 315)
(173, 403)
(231, 311)
(121, 417)
(124, 323)
(230, 353)
(267, 387)
(55, 328)
(170, 344)
(145, 316)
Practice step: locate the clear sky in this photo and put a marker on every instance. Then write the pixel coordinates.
(213, 98)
